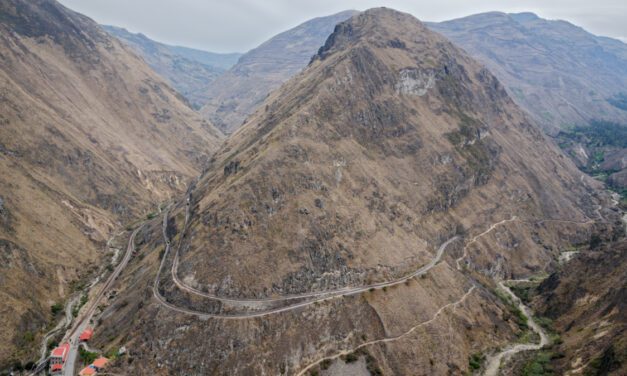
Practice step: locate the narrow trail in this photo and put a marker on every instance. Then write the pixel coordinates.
(490, 229)
(312, 297)
(62, 324)
(389, 339)
(494, 362)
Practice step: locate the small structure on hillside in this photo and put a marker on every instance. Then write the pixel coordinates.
(100, 363)
(86, 335)
(87, 371)
(58, 357)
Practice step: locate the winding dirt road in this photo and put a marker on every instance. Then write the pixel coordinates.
(389, 339)
(494, 362)
(314, 296)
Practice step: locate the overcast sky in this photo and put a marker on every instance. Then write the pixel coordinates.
(239, 25)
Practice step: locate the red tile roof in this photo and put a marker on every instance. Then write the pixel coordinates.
(100, 362)
(86, 334)
(87, 371)
(61, 351)
(56, 367)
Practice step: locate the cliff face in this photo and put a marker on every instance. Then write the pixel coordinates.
(393, 156)
(238, 92)
(557, 71)
(89, 137)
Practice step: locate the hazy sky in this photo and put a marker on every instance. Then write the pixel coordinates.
(239, 25)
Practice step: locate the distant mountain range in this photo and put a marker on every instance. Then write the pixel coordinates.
(238, 92)
(189, 70)
(560, 73)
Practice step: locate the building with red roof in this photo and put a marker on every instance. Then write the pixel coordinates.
(87, 371)
(86, 335)
(58, 357)
(100, 363)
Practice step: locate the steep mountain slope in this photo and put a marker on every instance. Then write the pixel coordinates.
(190, 71)
(360, 216)
(90, 137)
(557, 71)
(236, 94)
(586, 300)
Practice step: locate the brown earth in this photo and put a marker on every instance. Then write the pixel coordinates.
(586, 301)
(560, 73)
(389, 143)
(237, 93)
(90, 137)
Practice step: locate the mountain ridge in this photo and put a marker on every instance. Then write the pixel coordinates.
(236, 93)
(188, 70)
(90, 139)
(562, 74)
(390, 145)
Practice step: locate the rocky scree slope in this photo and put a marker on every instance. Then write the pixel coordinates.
(238, 92)
(560, 73)
(90, 137)
(391, 142)
(188, 70)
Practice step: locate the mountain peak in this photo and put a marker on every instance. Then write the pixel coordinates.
(378, 25)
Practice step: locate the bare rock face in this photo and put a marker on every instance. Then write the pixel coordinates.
(89, 137)
(237, 93)
(392, 150)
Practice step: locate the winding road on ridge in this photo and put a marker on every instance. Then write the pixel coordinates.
(314, 296)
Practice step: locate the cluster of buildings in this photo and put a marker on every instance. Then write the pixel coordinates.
(59, 355)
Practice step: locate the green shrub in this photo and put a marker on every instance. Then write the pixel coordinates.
(350, 358)
(56, 308)
(475, 361)
(87, 357)
(539, 365)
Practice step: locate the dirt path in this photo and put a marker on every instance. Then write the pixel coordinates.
(389, 339)
(494, 362)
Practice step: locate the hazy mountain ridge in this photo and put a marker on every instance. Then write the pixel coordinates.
(189, 70)
(560, 73)
(356, 171)
(237, 93)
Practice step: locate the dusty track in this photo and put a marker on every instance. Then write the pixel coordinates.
(313, 297)
(389, 339)
(494, 362)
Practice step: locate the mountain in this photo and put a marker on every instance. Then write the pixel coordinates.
(91, 137)
(358, 222)
(188, 70)
(237, 93)
(585, 301)
(560, 73)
